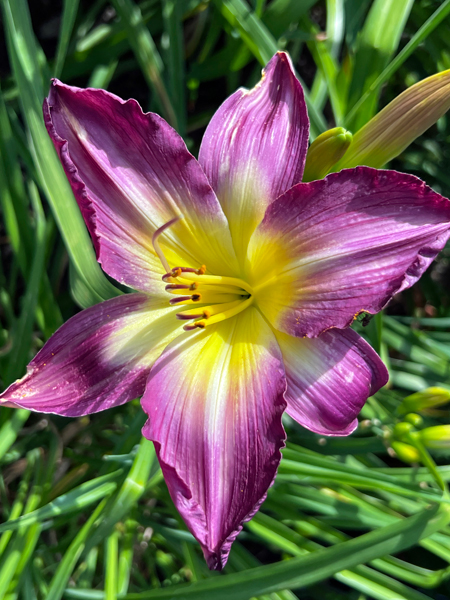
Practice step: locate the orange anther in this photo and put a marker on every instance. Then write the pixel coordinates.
(206, 314)
(202, 270)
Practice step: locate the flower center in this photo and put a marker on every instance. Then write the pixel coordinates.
(214, 298)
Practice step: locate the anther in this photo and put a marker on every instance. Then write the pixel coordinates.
(171, 274)
(185, 270)
(197, 324)
(181, 299)
(202, 270)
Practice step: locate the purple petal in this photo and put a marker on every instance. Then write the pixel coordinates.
(100, 358)
(214, 401)
(329, 379)
(131, 173)
(330, 249)
(255, 146)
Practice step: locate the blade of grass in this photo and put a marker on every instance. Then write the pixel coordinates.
(75, 500)
(377, 42)
(22, 331)
(174, 42)
(69, 14)
(427, 28)
(52, 177)
(328, 67)
(301, 571)
(147, 55)
(360, 577)
(125, 563)
(132, 489)
(111, 551)
(263, 46)
(20, 549)
(71, 556)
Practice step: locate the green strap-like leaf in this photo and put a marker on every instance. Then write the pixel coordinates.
(23, 52)
(302, 571)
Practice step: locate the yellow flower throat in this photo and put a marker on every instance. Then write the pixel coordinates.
(214, 298)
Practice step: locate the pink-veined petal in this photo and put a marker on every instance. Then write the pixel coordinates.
(329, 378)
(99, 358)
(330, 249)
(255, 146)
(132, 173)
(214, 401)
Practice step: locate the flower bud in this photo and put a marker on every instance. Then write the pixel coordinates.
(325, 151)
(403, 120)
(436, 438)
(414, 419)
(402, 429)
(405, 452)
(428, 398)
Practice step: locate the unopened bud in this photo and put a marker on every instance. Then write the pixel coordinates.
(432, 396)
(414, 419)
(436, 438)
(403, 120)
(405, 452)
(325, 151)
(402, 429)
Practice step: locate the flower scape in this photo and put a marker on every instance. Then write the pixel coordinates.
(247, 282)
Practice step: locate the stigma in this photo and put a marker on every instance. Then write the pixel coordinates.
(205, 299)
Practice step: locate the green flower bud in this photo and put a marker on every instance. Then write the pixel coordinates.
(325, 151)
(402, 429)
(414, 419)
(436, 438)
(403, 120)
(433, 396)
(405, 452)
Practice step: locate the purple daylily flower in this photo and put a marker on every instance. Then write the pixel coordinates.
(247, 283)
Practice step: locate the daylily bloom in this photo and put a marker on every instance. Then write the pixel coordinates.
(247, 279)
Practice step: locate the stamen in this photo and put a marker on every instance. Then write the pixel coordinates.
(185, 317)
(185, 299)
(180, 286)
(155, 243)
(225, 297)
(179, 299)
(173, 286)
(213, 314)
(230, 311)
(217, 280)
(199, 324)
(185, 270)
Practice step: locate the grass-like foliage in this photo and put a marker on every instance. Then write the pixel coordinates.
(85, 511)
